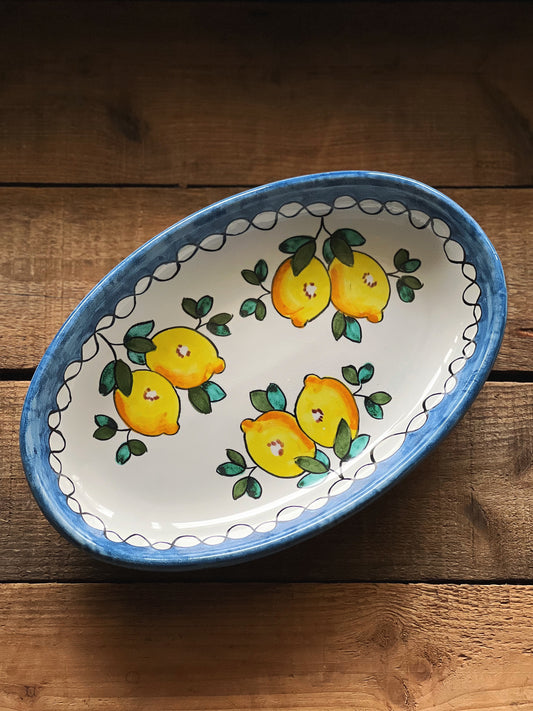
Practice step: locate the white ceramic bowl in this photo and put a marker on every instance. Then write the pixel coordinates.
(262, 369)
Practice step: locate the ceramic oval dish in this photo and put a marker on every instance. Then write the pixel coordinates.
(262, 369)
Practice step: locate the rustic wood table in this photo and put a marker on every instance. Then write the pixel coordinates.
(116, 120)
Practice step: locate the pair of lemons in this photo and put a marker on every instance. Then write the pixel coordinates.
(182, 358)
(361, 290)
(276, 439)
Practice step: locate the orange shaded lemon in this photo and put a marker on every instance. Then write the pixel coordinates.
(274, 440)
(321, 405)
(301, 298)
(360, 291)
(153, 406)
(184, 356)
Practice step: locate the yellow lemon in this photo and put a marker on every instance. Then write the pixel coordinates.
(321, 405)
(301, 298)
(153, 406)
(360, 291)
(274, 440)
(184, 356)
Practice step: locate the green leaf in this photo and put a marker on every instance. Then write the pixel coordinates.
(400, 258)
(341, 249)
(261, 270)
(248, 307)
(137, 447)
(326, 251)
(353, 330)
(199, 399)
(239, 488)
(412, 282)
(380, 398)
(139, 344)
(322, 457)
(105, 421)
(276, 397)
(349, 373)
(137, 358)
(311, 464)
(302, 257)
(204, 306)
(358, 445)
(405, 292)
(343, 439)
(230, 469)
(411, 265)
(190, 307)
(220, 319)
(253, 488)
(214, 391)
(293, 244)
(105, 432)
(107, 379)
(373, 409)
(338, 325)
(123, 377)
(351, 237)
(311, 479)
(236, 457)
(123, 453)
(218, 330)
(250, 276)
(260, 311)
(366, 372)
(139, 330)
(260, 401)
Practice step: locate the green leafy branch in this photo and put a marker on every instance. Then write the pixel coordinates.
(302, 248)
(256, 277)
(406, 284)
(373, 403)
(272, 398)
(202, 396)
(217, 324)
(116, 375)
(347, 326)
(235, 466)
(137, 343)
(107, 428)
(340, 245)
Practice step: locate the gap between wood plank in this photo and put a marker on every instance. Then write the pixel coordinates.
(186, 578)
(201, 186)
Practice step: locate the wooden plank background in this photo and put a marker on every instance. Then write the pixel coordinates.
(116, 120)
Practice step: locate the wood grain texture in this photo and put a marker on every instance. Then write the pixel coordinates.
(58, 243)
(245, 93)
(171, 647)
(463, 514)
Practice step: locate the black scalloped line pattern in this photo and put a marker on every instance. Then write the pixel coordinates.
(288, 513)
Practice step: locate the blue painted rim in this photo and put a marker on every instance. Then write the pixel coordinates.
(324, 187)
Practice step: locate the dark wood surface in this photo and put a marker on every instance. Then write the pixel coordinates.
(116, 120)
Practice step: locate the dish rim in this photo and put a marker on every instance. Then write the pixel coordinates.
(416, 445)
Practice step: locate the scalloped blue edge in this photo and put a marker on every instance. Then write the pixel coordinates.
(322, 187)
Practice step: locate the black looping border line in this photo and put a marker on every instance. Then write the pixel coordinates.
(294, 511)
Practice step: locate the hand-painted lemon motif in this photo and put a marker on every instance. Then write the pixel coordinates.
(184, 356)
(153, 406)
(321, 405)
(274, 440)
(360, 291)
(301, 298)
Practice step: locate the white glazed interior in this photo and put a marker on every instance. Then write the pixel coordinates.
(172, 495)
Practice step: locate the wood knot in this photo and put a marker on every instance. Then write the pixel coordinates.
(388, 633)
